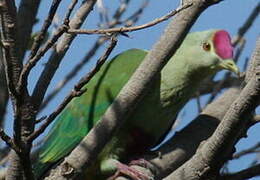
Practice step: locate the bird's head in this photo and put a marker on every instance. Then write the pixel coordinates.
(213, 50)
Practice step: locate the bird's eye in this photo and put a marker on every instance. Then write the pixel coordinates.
(206, 46)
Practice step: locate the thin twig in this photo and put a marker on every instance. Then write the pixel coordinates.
(121, 9)
(246, 26)
(32, 62)
(198, 102)
(38, 40)
(8, 140)
(244, 174)
(59, 52)
(100, 41)
(136, 15)
(253, 149)
(77, 91)
(26, 19)
(74, 71)
(129, 29)
(69, 11)
(36, 56)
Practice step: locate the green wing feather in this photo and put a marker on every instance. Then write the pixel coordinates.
(83, 112)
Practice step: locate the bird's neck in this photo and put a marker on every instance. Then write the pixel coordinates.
(180, 81)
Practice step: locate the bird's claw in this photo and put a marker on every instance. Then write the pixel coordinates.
(125, 170)
(142, 162)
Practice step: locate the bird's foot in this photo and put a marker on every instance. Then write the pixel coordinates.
(125, 170)
(142, 162)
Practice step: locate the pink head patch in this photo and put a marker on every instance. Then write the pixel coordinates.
(222, 44)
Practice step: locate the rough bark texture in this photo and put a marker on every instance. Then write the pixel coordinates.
(23, 111)
(3, 92)
(184, 144)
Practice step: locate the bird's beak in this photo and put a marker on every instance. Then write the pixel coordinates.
(230, 65)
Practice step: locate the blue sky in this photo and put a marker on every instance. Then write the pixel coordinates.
(228, 15)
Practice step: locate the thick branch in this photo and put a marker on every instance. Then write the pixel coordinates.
(3, 91)
(23, 112)
(181, 147)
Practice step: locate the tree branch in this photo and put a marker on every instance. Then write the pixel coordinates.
(26, 15)
(252, 149)
(3, 91)
(38, 40)
(76, 92)
(128, 29)
(59, 52)
(8, 140)
(244, 174)
(23, 111)
(92, 51)
(257, 118)
(248, 23)
(180, 148)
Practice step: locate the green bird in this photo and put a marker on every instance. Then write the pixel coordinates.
(201, 55)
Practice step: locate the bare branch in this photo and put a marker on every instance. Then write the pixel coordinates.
(35, 54)
(181, 147)
(244, 174)
(45, 27)
(74, 71)
(99, 42)
(8, 140)
(59, 52)
(3, 90)
(23, 115)
(77, 91)
(136, 15)
(210, 86)
(26, 15)
(128, 29)
(70, 9)
(257, 118)
(254, 63)
(253, 149)
(32, 62)
(246, 26)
